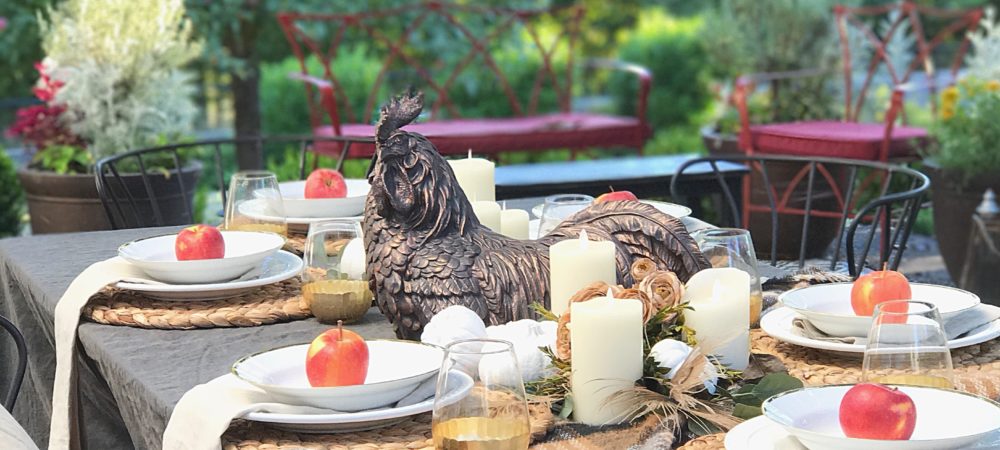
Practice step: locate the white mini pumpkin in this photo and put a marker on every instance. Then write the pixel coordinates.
(527, 336)
(670, 353)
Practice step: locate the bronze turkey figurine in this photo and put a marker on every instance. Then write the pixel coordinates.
(426, 250)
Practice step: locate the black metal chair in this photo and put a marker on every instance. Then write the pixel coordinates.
(863, 199)
(22, 363)
(140, 188)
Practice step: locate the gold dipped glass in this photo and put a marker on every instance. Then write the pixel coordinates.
(907, 345)
(334, 282)
(254, 203)
(494, 414)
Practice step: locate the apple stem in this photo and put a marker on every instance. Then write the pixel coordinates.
(885, 266)
(340, 330)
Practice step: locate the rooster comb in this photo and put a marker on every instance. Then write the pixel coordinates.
(400, 111)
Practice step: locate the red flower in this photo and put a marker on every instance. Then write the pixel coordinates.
(39, 125)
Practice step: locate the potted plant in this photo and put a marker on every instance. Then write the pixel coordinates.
(111, 82)
(965, 160)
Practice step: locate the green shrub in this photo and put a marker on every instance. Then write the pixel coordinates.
(11, 198)
(669, 47)
(284, 108)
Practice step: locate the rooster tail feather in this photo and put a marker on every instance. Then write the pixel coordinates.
(641, 231)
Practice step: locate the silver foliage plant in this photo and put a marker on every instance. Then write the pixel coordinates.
(121, 64)
(983, 61)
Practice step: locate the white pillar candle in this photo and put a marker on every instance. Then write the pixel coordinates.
(606, 341)
(488, 213)
(475, 176)
(514, 223)
(720, 318)
(575, 263)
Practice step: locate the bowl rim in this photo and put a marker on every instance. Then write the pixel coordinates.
(330, 389)
(122, 252)
(347, 181)
(810, 312)
(769, 400)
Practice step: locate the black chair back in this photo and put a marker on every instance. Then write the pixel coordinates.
(143, 188)
(883, 197)
(22, 363)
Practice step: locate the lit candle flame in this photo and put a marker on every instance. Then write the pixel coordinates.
(470, 153)
(583, 239)
(503, 205)
(611, 295)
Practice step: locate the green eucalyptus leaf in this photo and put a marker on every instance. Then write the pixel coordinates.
(775, 383)
(567, 408)
(746, 411)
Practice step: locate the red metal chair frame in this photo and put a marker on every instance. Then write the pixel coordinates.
(911, 13)
(332, 100)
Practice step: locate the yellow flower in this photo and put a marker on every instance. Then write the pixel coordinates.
(949, 97)
(993, 85)
(947, 112)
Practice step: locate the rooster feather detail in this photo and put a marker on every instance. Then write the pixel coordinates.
(426, 250)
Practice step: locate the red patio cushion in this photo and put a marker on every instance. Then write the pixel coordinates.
(488, 136)
(850, 140)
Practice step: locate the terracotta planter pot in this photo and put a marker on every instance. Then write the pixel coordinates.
(822, 231)
(954, 203)
(69, 203)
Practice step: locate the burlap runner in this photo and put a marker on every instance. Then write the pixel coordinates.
(709, 442)
(275, 303)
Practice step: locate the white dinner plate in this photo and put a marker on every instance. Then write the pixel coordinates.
(778, 324)
(244, 250)
(395, 368)
(761, 433)
(828, 305)
(671, 209)
(945, 419)
(296, 205)
(257, 210)
(277, 267)
(362, 420)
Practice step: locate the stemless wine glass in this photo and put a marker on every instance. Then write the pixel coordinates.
(733, 247)
(907, 345)
(494, 414)
(254, 203)
(558, 207)
(334, 283)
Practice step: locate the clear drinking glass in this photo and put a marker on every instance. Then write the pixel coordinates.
(494, 414)
(558, 207)
(254, 203)
(334, 282)
(733, 247)
(907, 345)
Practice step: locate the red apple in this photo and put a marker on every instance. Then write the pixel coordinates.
(874, 411)
(877, 287)
(616, 196)
(325, 183)
(338, 357)
(199, 242)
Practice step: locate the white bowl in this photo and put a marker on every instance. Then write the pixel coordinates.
(296, 205)
(395, 368)
(946, 419)
(244, 251)
(671, 209)
(828, 306)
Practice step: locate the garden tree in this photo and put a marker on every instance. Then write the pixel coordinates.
(20, 47)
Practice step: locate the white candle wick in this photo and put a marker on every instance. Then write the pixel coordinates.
(583, 239)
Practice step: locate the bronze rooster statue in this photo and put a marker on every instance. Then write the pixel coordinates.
(426, 250)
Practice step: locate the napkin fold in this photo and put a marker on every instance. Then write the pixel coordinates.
(11, 433)
(204, 413)
(962, 324)
(64, 430)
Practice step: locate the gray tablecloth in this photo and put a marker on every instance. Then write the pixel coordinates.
(140, 374)
(130, 378)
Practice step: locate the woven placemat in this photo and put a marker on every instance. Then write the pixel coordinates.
(413, 433)
(976, 367)
(707, 442)
(275, 303)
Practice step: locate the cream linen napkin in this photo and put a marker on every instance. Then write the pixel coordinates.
(11, 433)
(204, 412)
(962, 324)
(64, 431)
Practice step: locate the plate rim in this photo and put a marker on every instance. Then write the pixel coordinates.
(783, 314)
(781, 298)
(539, 207)
(983, 435)
(746, 430)
(351, 417)
(224, 286)
(266, 386)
